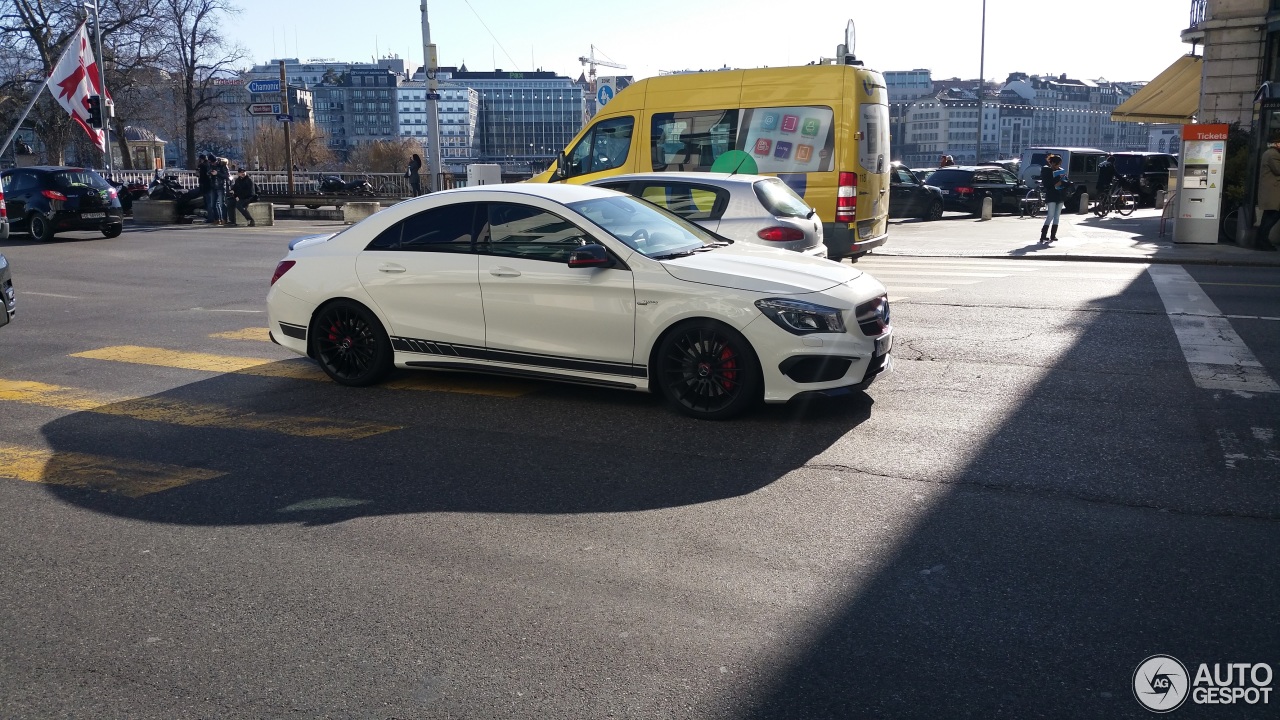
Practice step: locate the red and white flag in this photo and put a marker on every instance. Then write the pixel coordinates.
(74, 79)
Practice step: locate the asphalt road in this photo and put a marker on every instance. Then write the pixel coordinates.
(1040, 497)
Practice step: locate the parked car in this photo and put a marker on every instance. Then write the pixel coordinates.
(909, 197)
(923, 174)
(1145, 173)
(578, 284)
(1081, 165)
(7, 296)
(1012, 166)
(4, 215)
(964, 186)
(747, 208)
(47, 200)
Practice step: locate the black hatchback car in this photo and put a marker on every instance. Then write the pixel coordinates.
(43, 201)
(964, 186)
(909, 197)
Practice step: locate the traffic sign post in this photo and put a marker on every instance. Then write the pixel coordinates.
(263, 86)
(265, 109)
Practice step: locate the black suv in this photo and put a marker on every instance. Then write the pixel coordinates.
(964, 186)
(46, 200)
(1145, 173)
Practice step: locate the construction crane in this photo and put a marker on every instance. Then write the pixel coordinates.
(591, 62)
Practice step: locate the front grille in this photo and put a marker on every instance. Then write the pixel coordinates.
(815, 368)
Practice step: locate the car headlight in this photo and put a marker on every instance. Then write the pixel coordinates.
(802, 318)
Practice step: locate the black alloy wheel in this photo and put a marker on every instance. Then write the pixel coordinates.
(935, 210)
(350, 344)
(110, 231)
(40, 228)
(708, 371)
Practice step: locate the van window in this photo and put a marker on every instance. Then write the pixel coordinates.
(789, 139)
(1083, 163)
(874, 125)
(691, 141)
(604, 147)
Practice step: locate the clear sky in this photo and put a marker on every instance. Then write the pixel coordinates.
(1114, 39)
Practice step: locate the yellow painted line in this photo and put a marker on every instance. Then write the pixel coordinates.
(253, 333)
(130, 478)
(174, 412)
(298, 370)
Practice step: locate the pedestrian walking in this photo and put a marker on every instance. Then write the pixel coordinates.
(221, 179)
(1268, 193)
(1054, 180)
(415, 182)
(245, 192)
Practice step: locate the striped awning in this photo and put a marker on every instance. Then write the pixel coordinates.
(1172, 97)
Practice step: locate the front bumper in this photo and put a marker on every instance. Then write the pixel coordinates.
(825, 363)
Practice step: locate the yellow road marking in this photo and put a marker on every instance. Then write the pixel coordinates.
(296, 370)
(253, 333)
(130, 478)
(174, 412)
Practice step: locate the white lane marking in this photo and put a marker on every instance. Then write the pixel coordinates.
(230, 311)
(68, 297)
(1251, 317)
(930, 273)
(1216, 356)
(1232, 450)
(917, 289)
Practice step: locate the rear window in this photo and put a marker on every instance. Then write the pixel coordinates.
(78, 178)
(949, 177)
(780, 200)
(1129, 164)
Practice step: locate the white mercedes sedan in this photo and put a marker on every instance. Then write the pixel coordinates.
(578, 284)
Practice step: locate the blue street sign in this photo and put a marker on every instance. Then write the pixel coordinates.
(263, 86)
(604, 94)
(433, 96)
(284, 117)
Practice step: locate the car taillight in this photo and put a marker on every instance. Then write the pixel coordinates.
(964, 191)
(4, 209)
(780, 234)
(846, 196)
(53, 195)
(111, 193)
(873, 316)
(282, 267)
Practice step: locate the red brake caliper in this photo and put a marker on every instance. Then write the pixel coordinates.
(728, 366)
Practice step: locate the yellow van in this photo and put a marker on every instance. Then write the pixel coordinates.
(822, 129)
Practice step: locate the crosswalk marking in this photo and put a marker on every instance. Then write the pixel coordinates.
(299, 369)
(173, 412)
(254, 333)
(119, 476)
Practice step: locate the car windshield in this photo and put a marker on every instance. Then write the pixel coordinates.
(79, 178)
(780, 200)
(643, 227)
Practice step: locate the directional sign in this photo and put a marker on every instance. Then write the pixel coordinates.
(264, 109)
(263, 86)
(433, 96)
(284, 117)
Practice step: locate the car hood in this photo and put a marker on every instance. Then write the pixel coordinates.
(744, 266)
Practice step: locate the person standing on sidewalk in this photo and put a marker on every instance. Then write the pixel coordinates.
(1268, 193)
(1054, 180)
(415, 181)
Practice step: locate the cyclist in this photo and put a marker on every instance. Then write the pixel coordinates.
(1106, 176)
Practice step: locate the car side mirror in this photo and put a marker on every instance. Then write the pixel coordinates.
(589, 256)
(562, 170)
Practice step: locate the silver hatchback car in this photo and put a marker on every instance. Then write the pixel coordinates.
(748, 208)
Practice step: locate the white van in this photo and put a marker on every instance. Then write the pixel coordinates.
(1081, 165)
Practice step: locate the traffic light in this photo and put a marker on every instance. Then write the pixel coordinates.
(95, 110)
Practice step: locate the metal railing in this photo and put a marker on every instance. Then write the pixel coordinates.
(1198, 8)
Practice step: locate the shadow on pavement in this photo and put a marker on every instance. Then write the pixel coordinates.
(560, 449)
(1089, 532)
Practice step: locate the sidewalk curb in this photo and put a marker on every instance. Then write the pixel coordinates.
(1273, 261)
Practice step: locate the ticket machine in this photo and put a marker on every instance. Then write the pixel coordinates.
(1200, 181)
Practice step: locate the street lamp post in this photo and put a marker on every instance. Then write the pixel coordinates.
(982, 74)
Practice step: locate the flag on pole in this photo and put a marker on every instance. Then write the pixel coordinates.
(74, 79)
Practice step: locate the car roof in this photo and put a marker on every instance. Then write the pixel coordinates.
(705, 177)
(559, 192)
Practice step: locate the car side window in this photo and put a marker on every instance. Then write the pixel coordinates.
(902, 176)
(604, 147)
(524, 231)
(687, 201)
(1008, 178)
(984, 176)
(444, 229)
(20, 181)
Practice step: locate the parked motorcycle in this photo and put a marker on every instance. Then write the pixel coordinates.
(168, 188)
(334, 185)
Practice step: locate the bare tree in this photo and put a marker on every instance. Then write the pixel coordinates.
(383, 156)
(198, 55)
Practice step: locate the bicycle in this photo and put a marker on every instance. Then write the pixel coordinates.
(1032, 204)
(1119, 200)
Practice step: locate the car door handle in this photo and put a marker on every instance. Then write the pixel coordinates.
(391, 268)
(504, 271)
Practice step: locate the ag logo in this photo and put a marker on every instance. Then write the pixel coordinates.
(1160, 683)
